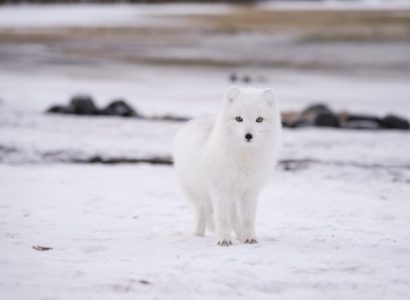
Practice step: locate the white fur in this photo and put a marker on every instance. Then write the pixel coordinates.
(220, 171)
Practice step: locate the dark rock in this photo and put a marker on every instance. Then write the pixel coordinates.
(360, 117)
(146, 282)
(298, 124)
(59, 109)
(359, 121)
(326, 120)
(320, 115)
(83, 105)
(317, 109)
(119, 108)
(233, 77)
(290, 119)
(361, 124)
(246, 79)
(395, 122)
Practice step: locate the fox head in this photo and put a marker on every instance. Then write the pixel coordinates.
(249, 116)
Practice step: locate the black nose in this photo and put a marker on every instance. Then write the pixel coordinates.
(248, 136)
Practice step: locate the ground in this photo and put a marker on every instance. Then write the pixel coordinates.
(333, 232)
(332, 223)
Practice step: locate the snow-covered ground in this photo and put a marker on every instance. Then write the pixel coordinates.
(328, 232)
(29, 135)
(333, 221)
(185, 91)
(110, 15)
(336, 5)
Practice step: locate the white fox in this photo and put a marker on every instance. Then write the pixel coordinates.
(223, 162)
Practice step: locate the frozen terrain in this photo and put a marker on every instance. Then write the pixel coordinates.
(333, 221)
(326, 231)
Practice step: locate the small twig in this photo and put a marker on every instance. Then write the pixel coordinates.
(41, 248)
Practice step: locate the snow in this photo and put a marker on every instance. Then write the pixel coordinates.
(323, 232)
(89, 15)
(31, 138)
(29, 135)
(333, 221)
(336, 5)
(112, 15)
(177, 90)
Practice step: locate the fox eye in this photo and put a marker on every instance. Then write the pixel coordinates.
(259, 119)
(239, 119)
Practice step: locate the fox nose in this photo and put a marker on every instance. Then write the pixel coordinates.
(248, 136)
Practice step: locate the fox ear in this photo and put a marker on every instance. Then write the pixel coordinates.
(232, 94)
(269, 97)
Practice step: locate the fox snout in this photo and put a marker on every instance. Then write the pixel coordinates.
(248, 137)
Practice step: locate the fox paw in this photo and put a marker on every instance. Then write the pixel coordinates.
(224, 243)
(251, 241)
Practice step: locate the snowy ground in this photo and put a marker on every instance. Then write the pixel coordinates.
(332, 232)
(333, 222)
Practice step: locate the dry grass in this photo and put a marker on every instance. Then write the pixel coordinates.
(58, 34)
(140, 45)
(320, 25)
(299, 19)
(315, 25)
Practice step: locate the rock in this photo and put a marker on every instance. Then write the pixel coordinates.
(233, 77)
(83, 105)
(326, 120)
(119, 108)
(246, 79)
(146, 282)
(41, 248)
(59, 109)
(316, 109)
(361, 117)
(360, 124)
(298, 123)
(293, 119)
(395, 122)
(320, 115)
(359, 121)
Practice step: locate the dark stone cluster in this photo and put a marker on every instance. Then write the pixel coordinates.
(314, 115)
(239, 78)
(84, 105)
(322, 116)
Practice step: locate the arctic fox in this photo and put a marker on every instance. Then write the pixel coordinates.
(222, 162)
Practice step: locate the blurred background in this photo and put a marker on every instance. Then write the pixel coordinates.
(173, 61)
(92, 93)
